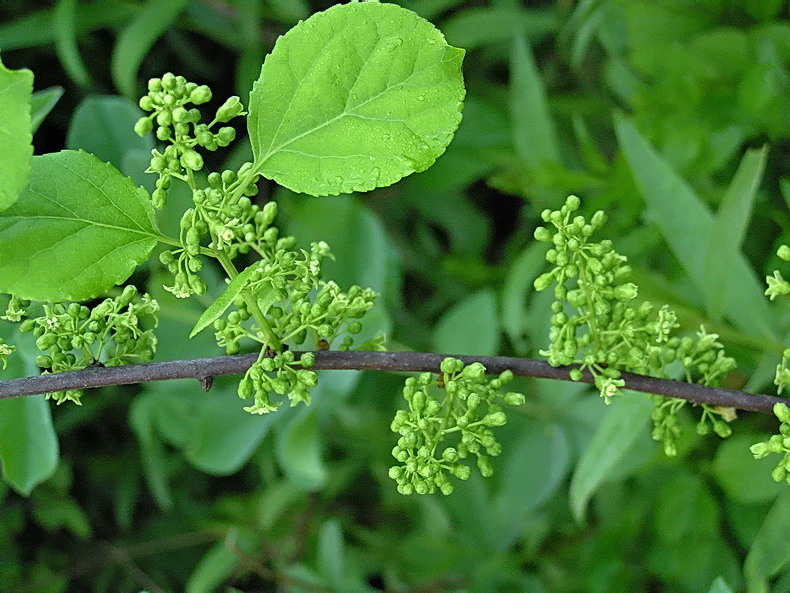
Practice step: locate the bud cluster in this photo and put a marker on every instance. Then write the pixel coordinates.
(778, 443)
(596, 325)
(297, 304)
(778, 286)
(281, 374)
(169, 99)
(470, 408)
(116, 331)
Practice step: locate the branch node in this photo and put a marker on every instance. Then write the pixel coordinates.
(206, 383)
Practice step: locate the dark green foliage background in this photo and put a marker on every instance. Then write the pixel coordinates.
(165, 488)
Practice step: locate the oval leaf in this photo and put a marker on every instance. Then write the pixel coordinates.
(78, 228)
(618, 432)
(224, 300)
(16, 136)
(353, 98)
(138, 37)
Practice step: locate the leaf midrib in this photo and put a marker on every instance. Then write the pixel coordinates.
(86, 222)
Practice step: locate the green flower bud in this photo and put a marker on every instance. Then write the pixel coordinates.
(626, 292)
(485, 467)
(572, 202)
(200, 95)
(784, 252)
(543, 281)
(192, 160)
(514, 399)
(229, 109)
(543, 234)
(143, 126)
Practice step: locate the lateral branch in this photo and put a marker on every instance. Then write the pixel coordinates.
(205, 369)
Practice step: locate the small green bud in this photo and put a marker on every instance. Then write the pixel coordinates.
(143, 126)
(543, 281)
(598, 219)
(192, 160)
(514, 399)
(784, 252)
(543, 234)
(626, 292)
(229, 109)
(495, 419)
(485, 467)
(573, 203)
(200, 95)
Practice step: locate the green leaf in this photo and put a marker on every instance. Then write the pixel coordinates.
(299, 451)
(354, 98)
(42, 103)
(476, 27)
(219, 306)
(79, 228)
(771, 548)
(516, 290)
(729, 228)
(469, 327)
(212, 571)
(619, 431)
(16, 136)
(66, 42)
(533, 129)
(28, 444)
(102, 125)
(138, 37)
(331, 563)
(720, 586)
(744, 478)
(534, 467)
(212, 430)
(152, 450)
(686, 223)
(38, 28)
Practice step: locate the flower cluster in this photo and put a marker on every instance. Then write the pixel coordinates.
(116, 331)
(778, 443)
(470, 408)
(168, 100)
(279, 300)
(281, 374)
(778, 286)
(597, 325)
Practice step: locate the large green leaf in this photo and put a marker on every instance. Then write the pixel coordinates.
(16, 136)
(687, 224)
(625, 422)
(28, 445)
(353, 98)
(138, 37)
(771, 548)
(79, 228)
(729, 228)
(41, 103)
(102, 125)
(534, 136)
(66, 42)
(299, 450)
(469, 327)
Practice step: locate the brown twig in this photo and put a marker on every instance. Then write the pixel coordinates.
(203, 368)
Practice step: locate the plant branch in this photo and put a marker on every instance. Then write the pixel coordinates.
(205, 369)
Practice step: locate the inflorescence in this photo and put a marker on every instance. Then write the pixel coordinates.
(598, 326)
(283, 299)
(72, 336)
(470, 407)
